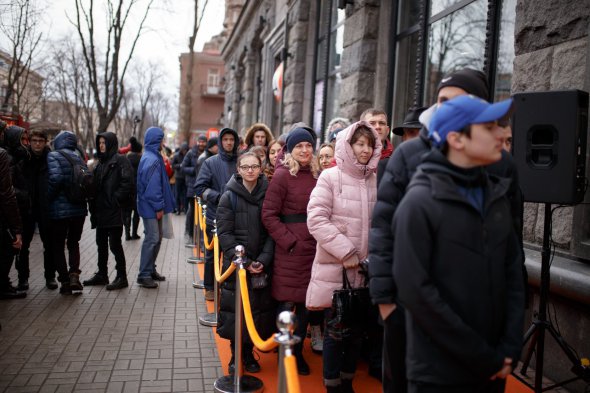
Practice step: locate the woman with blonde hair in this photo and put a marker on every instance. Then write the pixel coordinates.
(284, 215)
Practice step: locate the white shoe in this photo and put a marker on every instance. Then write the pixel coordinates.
(317, 338)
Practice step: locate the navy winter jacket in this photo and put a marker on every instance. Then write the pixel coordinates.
(60, 176)
(189, 170)
(214, 175)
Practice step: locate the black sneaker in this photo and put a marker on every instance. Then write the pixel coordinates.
(135, 236)
(302, 366)
(97, 279)
(147, 282)
(23, 285)
(51, 283)
(158, 277)
(10, 292)
(118, 283)
(65, 288)
(251, 365)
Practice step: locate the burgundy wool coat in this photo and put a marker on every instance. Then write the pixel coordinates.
(286, 197)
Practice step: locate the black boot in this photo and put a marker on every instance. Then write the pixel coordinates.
(65, 288)
(302, 366)
(250, 363)
(127, 234)
(23, 285)
(119, 283)
(10, 292)
(50, 283)
(346, 386)
(98, 279)
(75, 284)
(157, 276)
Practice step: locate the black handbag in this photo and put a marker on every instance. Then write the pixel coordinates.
(350, 306)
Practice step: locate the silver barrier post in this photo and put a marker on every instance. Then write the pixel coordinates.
(238, 382)
(210, 319)
(286, 322)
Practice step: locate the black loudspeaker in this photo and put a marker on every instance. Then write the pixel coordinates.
(549, 145)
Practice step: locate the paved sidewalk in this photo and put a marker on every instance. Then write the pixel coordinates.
(131, 340)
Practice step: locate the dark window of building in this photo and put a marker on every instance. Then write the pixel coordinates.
(328, 80)
(437, 37)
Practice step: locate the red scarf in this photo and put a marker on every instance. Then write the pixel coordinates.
(387, 149)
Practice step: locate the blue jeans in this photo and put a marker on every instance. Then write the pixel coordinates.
(150, 248)
(339, 355)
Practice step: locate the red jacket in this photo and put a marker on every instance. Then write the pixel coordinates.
(286, 200)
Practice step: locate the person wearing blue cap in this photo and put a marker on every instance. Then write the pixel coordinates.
(457, 258)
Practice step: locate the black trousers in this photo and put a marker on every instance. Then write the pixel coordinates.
(22, 263)
(209, 273)
(7, 253)
(106, 237)
(394, 352)
(189, 221)
(131, 216)
(302, 315)
(67, 232)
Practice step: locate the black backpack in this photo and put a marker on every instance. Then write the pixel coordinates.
(82, 186)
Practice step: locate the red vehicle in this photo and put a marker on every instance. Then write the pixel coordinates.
(14, 119)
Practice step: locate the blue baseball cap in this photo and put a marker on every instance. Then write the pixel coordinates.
(455, 114)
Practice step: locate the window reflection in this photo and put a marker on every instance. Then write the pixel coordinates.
(505, 51)
(409, 14)
(455, 42)
(437, 6)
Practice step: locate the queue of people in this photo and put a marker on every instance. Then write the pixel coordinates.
(427, 229)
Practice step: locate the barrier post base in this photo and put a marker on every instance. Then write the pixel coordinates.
(248, 384)
(199, 284)
(194, 260)
(209, 319)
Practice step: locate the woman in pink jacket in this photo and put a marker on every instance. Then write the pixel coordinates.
(339, 217)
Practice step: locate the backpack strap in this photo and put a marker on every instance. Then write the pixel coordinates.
(234, 199)
(67, 157)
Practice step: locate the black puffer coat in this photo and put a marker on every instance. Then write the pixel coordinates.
(115, 184)
(458, 274)
(241, 224)
(36, 174)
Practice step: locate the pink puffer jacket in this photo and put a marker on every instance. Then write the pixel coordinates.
(339, 217)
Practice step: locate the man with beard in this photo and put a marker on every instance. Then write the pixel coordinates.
(35, 172)
(114, 180)
(213, 176)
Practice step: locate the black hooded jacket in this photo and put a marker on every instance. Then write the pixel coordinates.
(215, 173)
(115, 185)
(36, 175)
(458, 274)
(19, 155)
(9, 214)
(239, 222)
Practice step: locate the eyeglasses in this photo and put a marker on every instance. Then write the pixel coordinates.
(38, 141)
(247, 168)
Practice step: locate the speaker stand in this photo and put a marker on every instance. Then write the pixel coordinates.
(536, 332)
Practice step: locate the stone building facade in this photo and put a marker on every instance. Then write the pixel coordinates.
(342, 57)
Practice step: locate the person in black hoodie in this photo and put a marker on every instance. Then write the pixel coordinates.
(457, 257)
(239, 223)
(35, 172)
(16, 141)
(114, 184)
(10, 228)
(180, 189)
(213, 176)
(131, 216)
